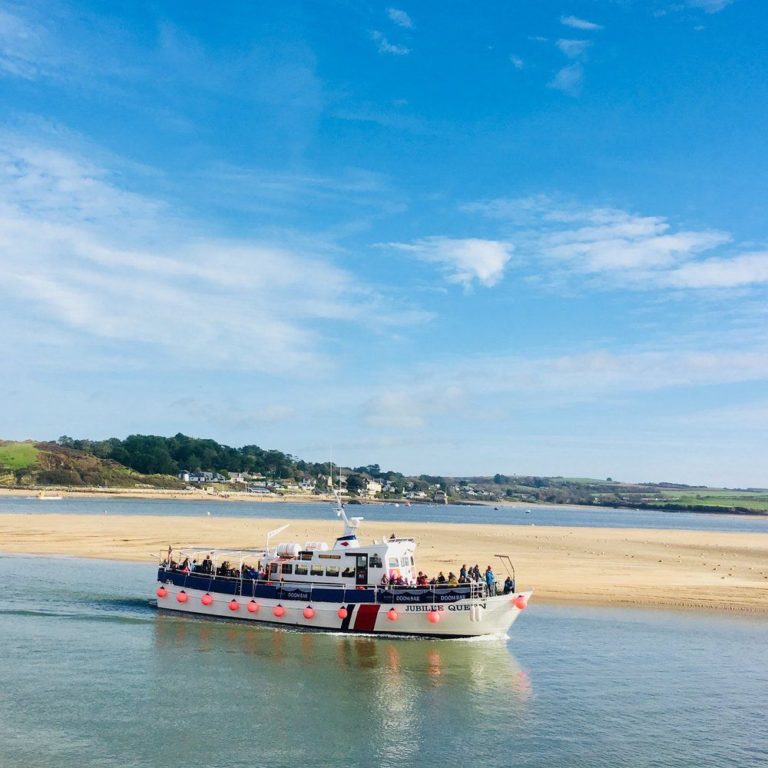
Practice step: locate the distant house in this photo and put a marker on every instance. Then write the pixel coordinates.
(373, 488)
(206, 477)
(184, 476)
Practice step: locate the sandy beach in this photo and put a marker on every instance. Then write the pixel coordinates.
(594, 566)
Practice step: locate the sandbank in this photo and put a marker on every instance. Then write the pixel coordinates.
(592, 566)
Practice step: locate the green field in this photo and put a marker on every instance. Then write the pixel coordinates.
(755, 500)
(17, 455)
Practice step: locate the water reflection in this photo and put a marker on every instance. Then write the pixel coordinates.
(392, 674)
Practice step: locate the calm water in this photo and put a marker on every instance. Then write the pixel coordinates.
(91, 675)
(443, 513)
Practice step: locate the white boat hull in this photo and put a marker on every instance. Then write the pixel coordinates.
(464, 618)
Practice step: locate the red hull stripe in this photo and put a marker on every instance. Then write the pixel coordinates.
(366, 617)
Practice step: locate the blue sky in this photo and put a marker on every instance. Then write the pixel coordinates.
(519, 237)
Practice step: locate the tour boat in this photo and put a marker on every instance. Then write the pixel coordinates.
(348, 587)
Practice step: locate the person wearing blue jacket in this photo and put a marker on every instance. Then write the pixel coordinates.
(490, 581)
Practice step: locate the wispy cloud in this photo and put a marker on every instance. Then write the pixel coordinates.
(25, 47)
(475, 383)
(517, 62)
(112, 270)
(576, 23)
(747, 269)
(464, 261)
(385, 46)
(399, 17)
(569, 79)
(624, 248)
(573, 49)
(600, 372)
(410, 407)
(710, 6)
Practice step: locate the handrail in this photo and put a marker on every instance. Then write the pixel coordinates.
(477, 588)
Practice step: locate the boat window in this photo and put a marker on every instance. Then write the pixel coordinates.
(393, 562)
(273, 568)
(412, 563)
(306, 555)
(404, 562)
(348, 572)
(332, 570)
(316, 570)
(301, 570)
(374, 561)
(287, 567)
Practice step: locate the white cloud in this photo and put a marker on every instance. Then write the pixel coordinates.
(619, 247)
(386, 47)
(598, 373)
(24, 47)
(576, 23)
(107, 269)
(410, 407)
(463, 260)
(710, 6)
(626, 242)
(573, 49)
(743, 270)
(517, 62)
(479, 387)
(568, 80)
(401, 18)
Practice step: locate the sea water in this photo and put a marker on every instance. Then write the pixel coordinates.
(558, 515)
(92, 675)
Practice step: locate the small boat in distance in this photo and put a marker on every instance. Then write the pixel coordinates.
(42, 497)
(348, 587)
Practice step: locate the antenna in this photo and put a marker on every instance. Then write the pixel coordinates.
(275, 532)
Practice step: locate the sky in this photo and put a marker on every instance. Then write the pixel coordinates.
(522, 236)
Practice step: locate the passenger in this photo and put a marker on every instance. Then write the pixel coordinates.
(490, 581)
(422, 580)
(452, 580)
(441, 578)
(392, 537)
(509, 585)
(476, 572)
(384, 581)
(463, 574)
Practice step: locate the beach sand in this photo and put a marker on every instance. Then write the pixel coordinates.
(592, 566)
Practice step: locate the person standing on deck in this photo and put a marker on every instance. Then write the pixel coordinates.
(490, 581)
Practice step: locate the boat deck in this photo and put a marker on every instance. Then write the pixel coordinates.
(321, 593)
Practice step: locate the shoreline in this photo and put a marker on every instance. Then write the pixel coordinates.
(162, 494)
(623, 567)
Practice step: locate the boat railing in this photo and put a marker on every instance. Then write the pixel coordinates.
(474, 590)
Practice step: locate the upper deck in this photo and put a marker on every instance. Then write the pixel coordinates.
(383, 571)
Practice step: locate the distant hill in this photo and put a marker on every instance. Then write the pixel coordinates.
(151, 461)
(31, 464)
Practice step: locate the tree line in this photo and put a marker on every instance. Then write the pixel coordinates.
(153, 454)
(156, 455)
